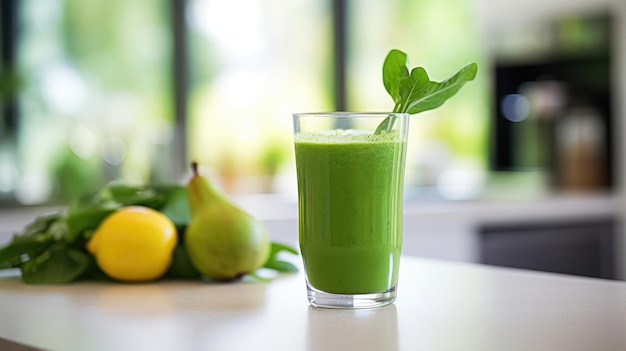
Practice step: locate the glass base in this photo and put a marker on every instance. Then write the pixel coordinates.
(323, 299)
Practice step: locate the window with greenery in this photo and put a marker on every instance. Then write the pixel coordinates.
(133, 90)
(93, 98)
(250, 70)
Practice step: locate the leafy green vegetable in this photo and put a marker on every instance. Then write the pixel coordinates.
(22, 248)
(176, 206)
(58, 264)
(136, 195)
(51, 250)
(85, 221)
(94, 272)
(181, 267)
(273, 261)
(85, 218)
(414, 92)
(35, 239)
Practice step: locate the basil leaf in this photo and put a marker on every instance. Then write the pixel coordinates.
(58, 264)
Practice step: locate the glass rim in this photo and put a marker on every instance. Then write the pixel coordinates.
(350, 114)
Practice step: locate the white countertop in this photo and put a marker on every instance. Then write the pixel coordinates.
(440, 306)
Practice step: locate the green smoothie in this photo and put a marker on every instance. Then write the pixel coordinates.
(350, 188)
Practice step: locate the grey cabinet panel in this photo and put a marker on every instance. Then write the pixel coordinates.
(580, 248)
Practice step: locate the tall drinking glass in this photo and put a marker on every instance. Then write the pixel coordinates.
(350, 187)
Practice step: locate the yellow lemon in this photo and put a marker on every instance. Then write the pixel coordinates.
(134, 243)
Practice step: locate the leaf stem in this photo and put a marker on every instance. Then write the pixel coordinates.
(396, 108)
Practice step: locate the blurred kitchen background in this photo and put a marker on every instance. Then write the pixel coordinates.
(523, 168)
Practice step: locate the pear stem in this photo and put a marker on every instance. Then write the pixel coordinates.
(194, 168)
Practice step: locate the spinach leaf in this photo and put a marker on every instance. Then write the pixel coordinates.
(169, 199)
(23, 247)
(41, 224)
(82, 223)
(176, 206)
(273, 262)
(181, 267)
(127, 195)
(415, 92)
(394, 69)
(35, 238)
(413, 87)
(58, 264)
(434, 94)
(93, 272)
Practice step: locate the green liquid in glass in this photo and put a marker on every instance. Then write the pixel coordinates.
(350, 206)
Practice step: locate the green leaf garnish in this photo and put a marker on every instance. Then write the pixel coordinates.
(434, 94)
(394, 70)
(415, 92)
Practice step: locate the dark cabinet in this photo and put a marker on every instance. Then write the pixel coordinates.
(582, 248)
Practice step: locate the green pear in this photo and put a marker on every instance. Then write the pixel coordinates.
(222, 240)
